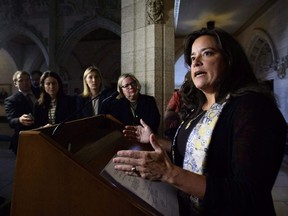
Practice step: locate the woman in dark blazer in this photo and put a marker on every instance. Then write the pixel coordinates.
(53, 106)
(130, 106)
(92, 88)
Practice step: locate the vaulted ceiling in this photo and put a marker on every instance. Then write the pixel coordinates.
(232, 15)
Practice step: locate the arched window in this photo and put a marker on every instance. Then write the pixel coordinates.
(262, 55)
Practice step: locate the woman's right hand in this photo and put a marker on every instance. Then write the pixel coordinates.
(140, 133)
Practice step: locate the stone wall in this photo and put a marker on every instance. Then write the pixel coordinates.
(37, 35)
(274, 24)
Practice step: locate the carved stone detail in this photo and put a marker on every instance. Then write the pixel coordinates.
(154, 10)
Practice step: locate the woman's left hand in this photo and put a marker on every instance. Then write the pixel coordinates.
(152, 165)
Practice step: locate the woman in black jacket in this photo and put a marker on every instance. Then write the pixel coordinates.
(228, 151)
(95, 97)
(130, 105)
(53, 106)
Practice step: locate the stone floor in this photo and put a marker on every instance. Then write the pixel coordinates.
(7, 168)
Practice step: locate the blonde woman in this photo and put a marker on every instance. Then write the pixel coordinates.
(130, 106)
(92, 88)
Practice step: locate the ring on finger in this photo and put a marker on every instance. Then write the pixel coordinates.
(133, 169)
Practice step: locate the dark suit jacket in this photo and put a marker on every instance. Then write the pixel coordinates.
(86, 108)
(146, 110)
(15, 106)
(65, 108)
(36, 91)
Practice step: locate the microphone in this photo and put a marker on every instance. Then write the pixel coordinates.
(114, 94)
(103, 104)
(74, 113)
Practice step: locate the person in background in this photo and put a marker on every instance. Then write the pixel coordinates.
(228, 151)
(93, 87)
(130, 105)
(19, 107)
(179, 105)
(77, 91)
(35, 80)
(53, 106)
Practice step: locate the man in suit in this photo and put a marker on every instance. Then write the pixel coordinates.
(19, 107)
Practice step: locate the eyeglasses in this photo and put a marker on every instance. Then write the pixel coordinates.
(132, 84)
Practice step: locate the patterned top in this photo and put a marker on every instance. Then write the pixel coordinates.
(51, 112)
(243, 158)
(198, 143)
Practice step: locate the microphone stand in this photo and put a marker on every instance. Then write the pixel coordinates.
(113, 95)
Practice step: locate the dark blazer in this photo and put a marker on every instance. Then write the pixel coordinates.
(36, 91)
(146, 109)
(65, 108)
(244, 157)
(15, 106)
(86, 108)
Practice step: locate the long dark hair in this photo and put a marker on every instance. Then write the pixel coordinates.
(187, 92)
(45, 99)
(238, 77)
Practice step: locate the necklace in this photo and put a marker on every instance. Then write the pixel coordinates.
(133, 106)
(191, 120)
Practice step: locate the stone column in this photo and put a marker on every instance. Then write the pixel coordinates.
(53, 29)
(147, 46)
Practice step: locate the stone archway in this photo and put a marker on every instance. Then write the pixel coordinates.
(262, 55)
(72, 38)
(12, 31)
(7, 67)
(79, 49)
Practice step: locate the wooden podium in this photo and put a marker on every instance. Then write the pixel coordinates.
(60, 174)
